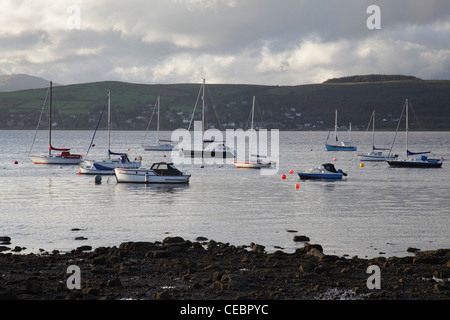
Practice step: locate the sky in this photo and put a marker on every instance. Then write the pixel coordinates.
(268, 42)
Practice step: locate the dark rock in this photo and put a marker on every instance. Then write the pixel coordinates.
(99, 260)
(115, 283)
(306, 267)
(301, 238)
(211, 245)
(222, 272)
(163, 295)
(257, 247)
(429, 257)
(6, 294)
(84, 248)
(172, 240)
(33, 287)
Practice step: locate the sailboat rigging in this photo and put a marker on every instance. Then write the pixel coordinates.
(65, 157)
(343, 146)
(254, 161)
(375, 154)
(413, 162)
(159, 146)
(216, 149)
(106, 166)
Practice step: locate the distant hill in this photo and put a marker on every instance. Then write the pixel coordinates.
(302, 107)
(372, 78)
(17, 82)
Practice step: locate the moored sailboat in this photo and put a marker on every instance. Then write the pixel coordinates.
(216, 149)
(254, 161)
(65, 157)
(376, 154)
(421, 161)
(106, 166)
(339, 146)
(161, 145)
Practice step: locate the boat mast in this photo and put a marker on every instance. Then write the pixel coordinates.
(407, 128)
(203, 112)
(251, 132)
(373, 130)
(50, 122)
(335, 126)
(109, 124)
(157, 124)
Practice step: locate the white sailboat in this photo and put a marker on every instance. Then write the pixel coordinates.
(375, 154)
(216, 149)
(421, 161)
(342, 146)
(162, 145)
(65, 157)
(254, 161)
(106, 166)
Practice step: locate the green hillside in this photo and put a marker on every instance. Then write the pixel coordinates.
(303, 107)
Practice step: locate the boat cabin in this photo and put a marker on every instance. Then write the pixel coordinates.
(164, 168)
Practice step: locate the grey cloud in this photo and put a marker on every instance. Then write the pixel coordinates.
(257, 41)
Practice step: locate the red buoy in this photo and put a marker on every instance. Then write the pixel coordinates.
(283, 176)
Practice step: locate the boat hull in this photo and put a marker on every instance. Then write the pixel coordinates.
(376, 157)
(158, 148)
(320, 176)
(147, 176)
(111, 164)
(73, 159)
(251, 165)
(340, 148)
(94, 170)
(218, 154)
(414, 164)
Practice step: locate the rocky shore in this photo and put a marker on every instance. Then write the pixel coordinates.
(179, 269)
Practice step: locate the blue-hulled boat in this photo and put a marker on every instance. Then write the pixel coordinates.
(326, 171)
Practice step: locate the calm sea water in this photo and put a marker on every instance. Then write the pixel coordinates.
(376, 211)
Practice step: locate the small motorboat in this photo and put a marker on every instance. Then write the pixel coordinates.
(159, 172)
(326, 171)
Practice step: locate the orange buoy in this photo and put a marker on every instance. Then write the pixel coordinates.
(361, 165)
(297, 186)
(283, 176)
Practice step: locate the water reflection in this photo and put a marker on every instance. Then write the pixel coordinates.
(156, 187)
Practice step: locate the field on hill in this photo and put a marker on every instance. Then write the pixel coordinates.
(303, 107)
